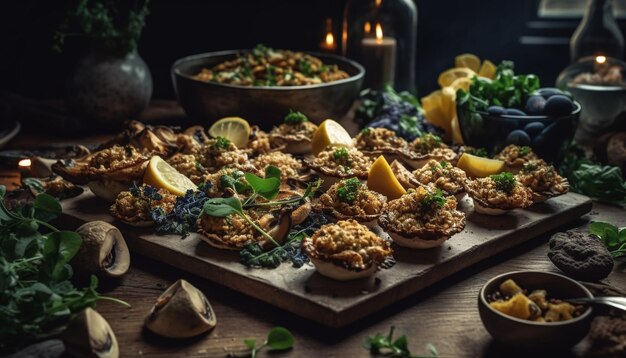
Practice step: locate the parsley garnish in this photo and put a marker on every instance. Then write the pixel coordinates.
(340, 154)
(366, 131)
(432, 202)
(529, 167)
(294, 118)
(348, 191)
(387, 346)
(504, 182)
(221, 143)
(524, 151)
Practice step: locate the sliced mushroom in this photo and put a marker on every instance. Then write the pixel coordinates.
(41, 167)
(281, 228)
(89, 335)
(103, 252)
(182, 311)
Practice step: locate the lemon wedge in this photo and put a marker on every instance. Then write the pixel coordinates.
(330, 133)
(447, 77)
(380, 178)
(479, 167)
(463, 83)
(431, 101)
(487, 69)
(161, 175)
(457, 137)
(468, 60)
(235, 129)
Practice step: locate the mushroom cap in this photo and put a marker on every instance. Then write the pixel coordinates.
(103, 251)
(89, 335)
(181, 311)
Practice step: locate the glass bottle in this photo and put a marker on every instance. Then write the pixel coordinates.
(382, 36)
(598, 33)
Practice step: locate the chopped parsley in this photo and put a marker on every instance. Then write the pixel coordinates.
(294, 118)
(236, 181)
(529, 167)
(340, 154)
(432, 202)
(221, 143)
(443, 164)
(304, 65)
(366, 131)
(504, 182)
(524, 151)
(348, 191)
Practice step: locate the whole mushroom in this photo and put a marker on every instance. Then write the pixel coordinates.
(182, 311)
(103, 252)
(580, 256)
(89, 335)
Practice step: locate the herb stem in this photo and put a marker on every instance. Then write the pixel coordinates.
(258, 228)
(113, 299)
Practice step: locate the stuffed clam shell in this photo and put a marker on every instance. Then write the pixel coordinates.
(496, 194)
(427, 147)
(380, 141)
(442, 175)
(337, 163)
(515, 157)
(351, 199)
(543, 179)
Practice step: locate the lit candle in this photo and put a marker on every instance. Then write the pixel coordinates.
(24, 166)
(378, 56)
(600, 64)
(329, 44)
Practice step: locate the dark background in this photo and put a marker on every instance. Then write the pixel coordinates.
(492, 29)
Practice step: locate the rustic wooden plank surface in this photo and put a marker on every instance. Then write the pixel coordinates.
(334, 303)
(445, 314)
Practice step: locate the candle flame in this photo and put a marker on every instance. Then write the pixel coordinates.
(330, 39)
(600, 59)
(378, 2)
(367, 27)
(24, 163)
(379, 33)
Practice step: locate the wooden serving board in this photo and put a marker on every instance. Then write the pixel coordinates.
(332, 303)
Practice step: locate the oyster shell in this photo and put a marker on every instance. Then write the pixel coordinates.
(488, 199)
(374, 142)
(441, 175)
(543, 180)
(334, 164)
(365, 208)
(514, 157)
(296, 138)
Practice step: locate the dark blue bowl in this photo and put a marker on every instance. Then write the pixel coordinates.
(547, 136)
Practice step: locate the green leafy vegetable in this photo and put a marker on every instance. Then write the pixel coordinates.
(295, 118)
(236, 181)
(340, 154)
(348, 191)
(505, 182)
(586, 176)
(524, 151)
(612, 237)
(220, 144)
(278, 339)
(267, 187)
(386, 345)
(507, 90)
(37, 297)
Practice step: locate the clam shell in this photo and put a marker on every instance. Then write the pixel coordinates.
(341, 273)
(108, 189)
(539, 197)
(416, 243)
(420, 238)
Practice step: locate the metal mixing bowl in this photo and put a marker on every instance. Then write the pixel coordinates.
(265, 106)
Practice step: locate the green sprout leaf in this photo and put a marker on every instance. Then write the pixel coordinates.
(611, 236)
(280, 339)
(223, 207)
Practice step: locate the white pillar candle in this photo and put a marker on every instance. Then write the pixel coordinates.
(378, 56)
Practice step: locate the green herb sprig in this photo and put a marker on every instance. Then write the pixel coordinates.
(349, 190)
(220, 144)
(387, 346)
(278, 339)
(505, 181)
(612, 237)
(294, 118)
(37, 298)
(432, 202)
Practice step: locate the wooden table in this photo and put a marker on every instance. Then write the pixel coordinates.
(445, 315)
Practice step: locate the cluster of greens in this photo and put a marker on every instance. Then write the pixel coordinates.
(278, 339)
(183, 217)
(399, 347)
(115, 25)
(505, 181)
(37, 298)
(589, 177)
(432, 202)
(612, 237)
(507, 90)
(262, 188)
(399, 112)
(221, 143)
(348, 191)
(294, 118)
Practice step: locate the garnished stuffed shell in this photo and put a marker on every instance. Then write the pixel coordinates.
(515, 157)
(498, 193)
(189, 166)
(374, 142)
(422, 219)
(294, 133)
(351, 199)
(543, 179)
(426, 147)
(134, 207)
(337, 163)
(346, 250)
(442, 175)
(289, 166)
(221, 152)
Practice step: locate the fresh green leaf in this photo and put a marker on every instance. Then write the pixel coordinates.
(222, 207)
(348, 190)
(612, 237)
(58, 250)
(266, 187)
(47, 207)
(250, 343)
(280, 339)
(272, 172)
(3, 190)
(505, 181)
(385, 345)
(294, 118)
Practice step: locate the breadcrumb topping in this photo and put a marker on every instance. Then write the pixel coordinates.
(379, 139)
(341, 162)
(486, 192)
(366, 203)
(288, 165)
(515, 156)
(442, 175)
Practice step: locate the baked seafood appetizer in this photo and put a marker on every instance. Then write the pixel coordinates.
(189, 166)
(107, 172)
(544, 181)
(336, 163)
(426, 147)
(259, 142)
(290, 167)
(135, 205)
(374, 142)
(422, 218)
(351, 199)
(219, 153)
(442, 175)
(515, 157)
(497, 193)
(404, 176)
(346, 250)
(294, 134)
